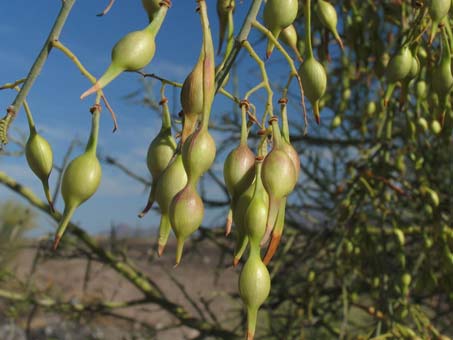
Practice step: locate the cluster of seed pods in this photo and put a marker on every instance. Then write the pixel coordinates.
(405, 64)
(258, 184)
(259, 187)
(176, 170)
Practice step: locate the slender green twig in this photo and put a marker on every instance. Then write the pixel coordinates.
(59, 45)
(241, 37)
(13, 84)
(265, 83)
(35, 70)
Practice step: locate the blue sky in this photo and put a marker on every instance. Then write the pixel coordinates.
(61, 116)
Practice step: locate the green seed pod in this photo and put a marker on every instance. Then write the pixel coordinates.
(239, 170)
(436, 128)
(186, 214)
(314, 82)
(336, 121)
(443, 79)
(40, 160)
(371, 108)
(415, 68)
(293, 155)
(172, 181)
(80, 180)
(278, 14)
(239, 210)
(224, 7)
(421, 89)
(279, 178)
(399, 65)
(437, 9)
(328, 17)
(151, 7)
(399, 236)
(254, 288)
(192, 99)
(198, 154)
(160, 151)
(289, 37)
(423, 124)
(255, 217)
(131, 53)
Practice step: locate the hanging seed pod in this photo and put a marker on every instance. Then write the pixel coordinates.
(239, 210)
(255, 217)
(438, 10)
(398, 69)
(224, 8)
(415, 67)
(192, 99)
(38, 153)
(239, 166)
(289, 37)
(278, 14)
(279, 177)
(328, 17)
(443, 79)
(254, 288)
(131, 53)
(172, 181)
(399, 65)
(314, 82)
(186, 214)
(198, 153)
(160, 151)
(81, 179)
(294, 156)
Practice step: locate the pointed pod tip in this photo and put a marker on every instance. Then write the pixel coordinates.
(272, 248)
(228, 225)
(91, 90)
(250, 335)
(160, 250)
(56, 242)
(236, 261)
(145, 210)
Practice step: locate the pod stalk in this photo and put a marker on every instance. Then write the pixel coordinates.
(67, 215)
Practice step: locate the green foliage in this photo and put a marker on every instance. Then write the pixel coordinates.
(15, 220)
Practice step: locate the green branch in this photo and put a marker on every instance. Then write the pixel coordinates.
(42, 57)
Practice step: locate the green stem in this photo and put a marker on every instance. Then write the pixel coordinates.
(157, 21)
(42, 57)
(308, 46)
(285, 126)
(93, 140)
(243, 125)
(266, 84)
(166, 118)
(241, 37)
